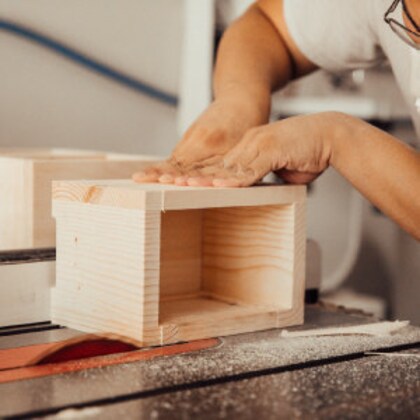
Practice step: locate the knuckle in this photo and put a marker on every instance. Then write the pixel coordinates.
(208, 136)
(150, 169)
(266, 140)
(252, 132)
(215, 138)
(261, 138)
(194, 133)
(200, 131)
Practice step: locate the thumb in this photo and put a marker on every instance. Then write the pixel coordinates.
(296, 177)
(246, 164)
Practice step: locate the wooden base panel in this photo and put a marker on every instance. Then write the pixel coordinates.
(203, 317)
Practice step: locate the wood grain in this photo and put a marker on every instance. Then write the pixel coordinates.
(107, 269)
(129, 264)
(180, 253)
(26, 177)
(16, 222)
(248, 254)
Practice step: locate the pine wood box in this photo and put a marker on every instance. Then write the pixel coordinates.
(25, 188)
(161, 264)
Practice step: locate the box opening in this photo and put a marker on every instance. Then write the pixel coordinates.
(225, 262)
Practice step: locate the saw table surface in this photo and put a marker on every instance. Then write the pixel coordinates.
(244, 376)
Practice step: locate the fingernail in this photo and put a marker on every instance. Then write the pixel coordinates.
(165, 178)
(226, 183)
(181, 180)
(219, 182)
(139, 174)
(193, 182)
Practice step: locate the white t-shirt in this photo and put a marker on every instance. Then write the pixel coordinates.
(347, 34)
(342, 35)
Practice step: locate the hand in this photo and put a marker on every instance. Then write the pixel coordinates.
(298, 149)
(207, 141)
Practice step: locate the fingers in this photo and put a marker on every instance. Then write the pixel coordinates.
(200, 146)
(164, 172)
(292, 147)
(234, 181)
(203, 176)
(246, 164)
(173, 172)
(181, 169)
(237, 177)
(249, 161)
(149, 174)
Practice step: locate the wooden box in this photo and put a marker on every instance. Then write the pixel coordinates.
(25, 188)
(160, 264)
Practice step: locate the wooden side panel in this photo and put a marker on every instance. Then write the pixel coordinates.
(48, 153)
(15, 208)
(107, 269)
(299, 261)
(248, 254)
(181, 198)
(180, 255)
(47, 171)
(150, 266)
(173, 197)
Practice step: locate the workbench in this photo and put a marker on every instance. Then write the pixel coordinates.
(251, 375)
(191, 372)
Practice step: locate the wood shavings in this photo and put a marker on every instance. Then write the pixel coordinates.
(374, 329)
(378, 353)
(79, 413)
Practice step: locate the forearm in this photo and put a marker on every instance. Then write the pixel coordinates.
(252, 61)
(381, 167)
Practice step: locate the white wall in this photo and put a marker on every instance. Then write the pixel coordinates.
(46, 100)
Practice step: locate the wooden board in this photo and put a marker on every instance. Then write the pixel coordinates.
(161, 264)
(25, 188)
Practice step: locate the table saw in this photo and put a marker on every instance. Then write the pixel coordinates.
(47, 370)
(243, 376)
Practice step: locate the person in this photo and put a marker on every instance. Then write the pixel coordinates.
(232, 145)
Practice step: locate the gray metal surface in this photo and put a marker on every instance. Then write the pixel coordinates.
(379, 387)
(239, 357)
(313, 265)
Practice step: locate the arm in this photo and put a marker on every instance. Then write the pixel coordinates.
(381, 167)
(256, 56)
(253, 59)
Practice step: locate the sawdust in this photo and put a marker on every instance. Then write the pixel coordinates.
(74, 413)
(237, 355)
(377, 329)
